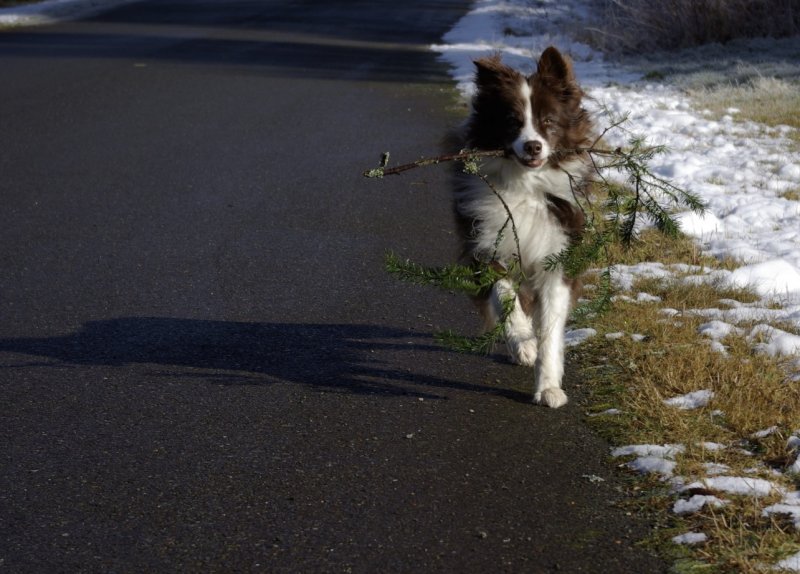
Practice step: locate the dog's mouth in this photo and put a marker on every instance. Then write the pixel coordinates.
(531, 162)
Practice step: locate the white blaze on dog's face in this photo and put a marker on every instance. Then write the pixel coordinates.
(530, 147)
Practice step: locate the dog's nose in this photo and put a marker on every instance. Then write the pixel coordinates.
(533, 147)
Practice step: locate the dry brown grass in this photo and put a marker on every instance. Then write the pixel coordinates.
(643, 25)
(749, 388)
(751, 391)
(652, 245)
(791, 194)
(770, 101)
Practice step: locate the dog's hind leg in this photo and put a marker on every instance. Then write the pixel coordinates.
(520, 335)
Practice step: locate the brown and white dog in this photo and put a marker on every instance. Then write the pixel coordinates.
(540, 123)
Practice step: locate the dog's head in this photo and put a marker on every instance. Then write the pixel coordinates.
(536, 119)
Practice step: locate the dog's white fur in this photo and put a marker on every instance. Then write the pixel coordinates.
(528, 132)
(523, 190)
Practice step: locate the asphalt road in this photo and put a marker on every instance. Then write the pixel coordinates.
(203, 366)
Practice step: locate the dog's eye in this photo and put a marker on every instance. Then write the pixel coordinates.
(513, 120)
(549, 123)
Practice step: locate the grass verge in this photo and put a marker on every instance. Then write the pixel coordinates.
(652, 355)
(642, 25)
(766, 100)
(655, 351)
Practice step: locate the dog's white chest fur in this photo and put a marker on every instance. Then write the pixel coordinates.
(524, 192)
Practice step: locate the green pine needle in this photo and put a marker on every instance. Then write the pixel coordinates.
(470, 280)
(642, 196)
(482, 344)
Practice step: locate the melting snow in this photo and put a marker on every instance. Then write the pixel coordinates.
(712, 446)
(791, 563)
(651, 458)
(607, 412)
(578, 336)
(695, 503)
(774, 341)
(713, 468)
(51, 11)
(764, 433)
(653, 465)
(693, 400)
(690, 538)
(741, 485)
(662, 451)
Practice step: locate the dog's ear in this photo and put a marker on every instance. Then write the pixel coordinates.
(491, 72)
(488, 68)
(555, 71)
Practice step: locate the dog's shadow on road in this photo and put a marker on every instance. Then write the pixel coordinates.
(331, 357)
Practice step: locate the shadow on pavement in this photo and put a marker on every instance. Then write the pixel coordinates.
(336, 358)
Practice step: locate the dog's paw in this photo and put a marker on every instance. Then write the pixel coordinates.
(524, 352)
(552, 397)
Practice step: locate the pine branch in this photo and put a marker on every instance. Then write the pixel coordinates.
(464, 155)
(510, 219)
(602, 300)
(482, 344)
(643, 195)
(470, 280)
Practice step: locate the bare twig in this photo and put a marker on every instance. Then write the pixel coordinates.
(465, 155)
(469, 155)
(510, 219)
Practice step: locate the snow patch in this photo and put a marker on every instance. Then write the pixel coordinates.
(607, 412)
(662, 451)
(651, 458)
(653, 465)
(712, 446)
(51, 11)
(789, 510)
(793, 444)
(740, 485)
(690, 538)
(773, 341)
(764, 433)
(718, 330)
(792, 563)
(695, 503)
(700, 226)
(776, 278)
(714, 468)
(689, 401)
(578, 336)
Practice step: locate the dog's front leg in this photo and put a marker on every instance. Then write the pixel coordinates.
(553, 309)
(520, 336)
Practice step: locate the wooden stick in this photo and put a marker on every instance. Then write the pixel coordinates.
(463, 155)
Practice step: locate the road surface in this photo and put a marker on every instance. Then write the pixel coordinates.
(203, 366)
